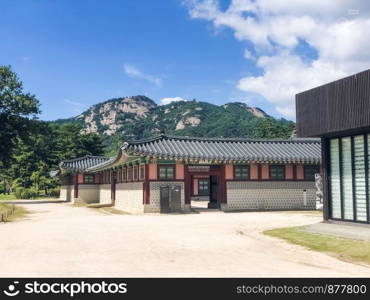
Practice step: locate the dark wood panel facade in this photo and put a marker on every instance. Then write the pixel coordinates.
(340, 106)
(340, 111)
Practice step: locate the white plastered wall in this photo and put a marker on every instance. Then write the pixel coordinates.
(129, 197)
(88, 193)
(104, 194)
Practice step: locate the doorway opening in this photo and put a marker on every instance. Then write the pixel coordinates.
(205, 192)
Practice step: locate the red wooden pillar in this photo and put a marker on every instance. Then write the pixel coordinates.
(113, 179)
(146, 185)
(75, 187)
(187, 187)
(223, 185)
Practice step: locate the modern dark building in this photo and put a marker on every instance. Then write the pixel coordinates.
(339, 113)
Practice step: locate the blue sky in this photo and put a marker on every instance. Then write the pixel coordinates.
(73, 54)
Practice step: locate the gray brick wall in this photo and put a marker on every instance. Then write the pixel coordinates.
(270, 195)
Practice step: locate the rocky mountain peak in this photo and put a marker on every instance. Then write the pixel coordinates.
(257, 112)
(111, 114)
(136, 117)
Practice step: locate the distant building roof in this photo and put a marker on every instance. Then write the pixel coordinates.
(294, 150)
(83, 163)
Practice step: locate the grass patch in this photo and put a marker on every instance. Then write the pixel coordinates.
(19, 211)
(4, 207)
(13, 197)
(345, 249)
(7, 197)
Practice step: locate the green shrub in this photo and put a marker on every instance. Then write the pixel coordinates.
(18, 192)
(22, 193)
(55, 192)
(17, 183)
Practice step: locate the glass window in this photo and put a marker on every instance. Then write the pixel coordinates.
(310, 171)
(203, 187)
(347, 178)
(360, 180)
(166, 172)
(368, 162)
(336, 210)
(241, 172)
(277, 172)
(88, 178)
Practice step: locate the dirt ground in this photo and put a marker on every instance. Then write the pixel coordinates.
(58, 240)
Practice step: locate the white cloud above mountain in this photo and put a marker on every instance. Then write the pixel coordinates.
(134, 72)
(168, 100)
(335, 31)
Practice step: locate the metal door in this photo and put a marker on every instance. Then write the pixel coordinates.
(165, 198)
(175, 198)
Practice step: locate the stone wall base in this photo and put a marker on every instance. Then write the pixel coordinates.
(271, 195)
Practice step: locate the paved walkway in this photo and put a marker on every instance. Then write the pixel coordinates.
(64, 241)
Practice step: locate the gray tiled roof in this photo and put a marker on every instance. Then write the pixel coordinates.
(241, 150)
(83, 163)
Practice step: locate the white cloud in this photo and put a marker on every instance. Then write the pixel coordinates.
(165, 101)
(132, 71)
(74, 103)
(275, 28)
(248, 55)
(76, 106)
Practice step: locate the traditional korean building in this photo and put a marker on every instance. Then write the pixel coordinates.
(165, 173)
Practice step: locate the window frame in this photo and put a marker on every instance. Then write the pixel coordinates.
(141, 172)
(89, 176)
(305, 167)
(124, 174)
(235, 167)
(280, 167)
(130, 174)
(135, 173)
(173, 167)
(199, 185)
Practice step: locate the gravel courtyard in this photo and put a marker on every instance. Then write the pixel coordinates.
(57, 239)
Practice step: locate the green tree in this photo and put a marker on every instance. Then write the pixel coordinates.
(71, 142)
(41, 152)
(16, 107)
(17, 113)
(269, 128)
